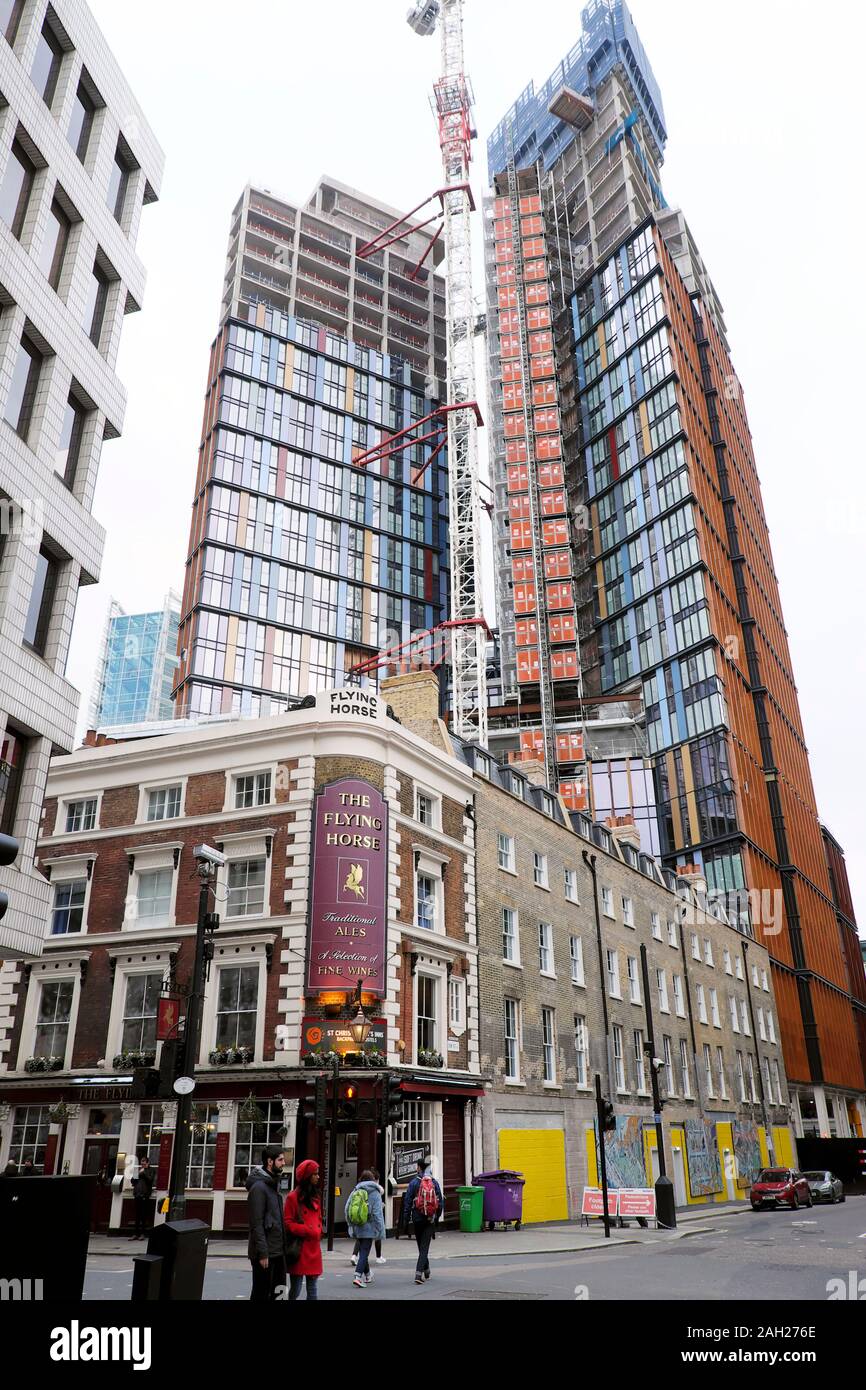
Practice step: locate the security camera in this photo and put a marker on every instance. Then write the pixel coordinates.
(658, 1063)
(206, 855)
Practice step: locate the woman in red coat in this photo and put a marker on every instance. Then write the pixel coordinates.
(302, 1217)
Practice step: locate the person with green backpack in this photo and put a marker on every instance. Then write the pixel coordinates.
(365, 1216)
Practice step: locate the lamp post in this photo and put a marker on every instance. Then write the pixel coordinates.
(360, 1031)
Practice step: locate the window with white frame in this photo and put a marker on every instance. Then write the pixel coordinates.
(670, 1083)
(581, 1049)
(507, 857)
(510, 938)
(236, 1004)
(679, 998)
(416, 1126)
(518, 786)
(245, 887)
(163, 803)
(735, 1021)
(639, 1060)
(153, 896)
(655, 926)
(726, 959)
(708, 952)
(708, 1070)
(613, 974)
(52, 1018)
(771, 1026)
(67, 914)
(762, 1031)
(253, 1135)
(741, 1076)
(571, 885)
(720, 1065)
(427, 809)
(738, 967)
(755, 980)
(252, 789)
(425, 902)
(618, 1058)
(575, 951)
(627, 911)
(81, 815)
(662, 987)
(696, 946)
(753, 1092)
(138, 1026)
(633, 980)
(539, 870)
(456, 1004)
(765, 1072)
(203, 1124)
(714, 1009)
(512, 1039)
(684, 1070)
(672, 935)
(148, 1132)
(545, 948)
(765, 983)
(30, 1127)
(548, 1045)
(427, 1013)
(607, 901)
(778, 1080)
(744, 1018)
(702, 1004)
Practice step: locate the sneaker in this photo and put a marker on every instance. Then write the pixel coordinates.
(426, 1274)
(358, 1281)
(368, 1278)
(354, 1259)
(419, 1279)
(380, 1260)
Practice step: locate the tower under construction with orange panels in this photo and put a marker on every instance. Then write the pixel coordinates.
(633, 554)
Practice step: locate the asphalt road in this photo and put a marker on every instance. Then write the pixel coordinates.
(761, 1256)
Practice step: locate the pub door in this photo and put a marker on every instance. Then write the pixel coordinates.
(100, 1158)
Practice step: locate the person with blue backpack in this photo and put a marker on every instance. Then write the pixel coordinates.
(423, 1208)
(365, 1216)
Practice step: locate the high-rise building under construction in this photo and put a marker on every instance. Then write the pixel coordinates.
(301, 564)
(634, 569)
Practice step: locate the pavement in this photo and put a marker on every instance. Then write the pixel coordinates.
(546, 1239)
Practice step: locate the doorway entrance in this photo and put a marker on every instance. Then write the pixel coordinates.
(100, 1160)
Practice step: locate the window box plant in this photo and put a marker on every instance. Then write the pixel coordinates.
(427, 1057)
(131, 1060)
(43, 1064)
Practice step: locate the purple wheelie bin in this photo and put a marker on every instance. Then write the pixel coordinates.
(503, 1197)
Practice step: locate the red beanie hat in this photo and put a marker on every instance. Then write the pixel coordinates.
(306, 1169)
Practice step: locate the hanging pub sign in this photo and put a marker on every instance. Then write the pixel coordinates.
(167, 1018)
(349, 893)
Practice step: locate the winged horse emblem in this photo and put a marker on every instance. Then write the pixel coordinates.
(353, 880)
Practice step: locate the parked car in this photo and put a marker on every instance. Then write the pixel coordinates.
(775, 1185)
(825, 1186)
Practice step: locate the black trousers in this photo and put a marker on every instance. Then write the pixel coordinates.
(267, 1281)
(423, 1231)
(142, 1212)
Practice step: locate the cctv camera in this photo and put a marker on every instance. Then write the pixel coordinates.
(206, 855)
(658, 1063)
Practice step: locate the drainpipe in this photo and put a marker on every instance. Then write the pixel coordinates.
(682, 914)
(767, 1126)
(589, 861)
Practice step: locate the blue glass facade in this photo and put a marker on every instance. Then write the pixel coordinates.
(139, 662)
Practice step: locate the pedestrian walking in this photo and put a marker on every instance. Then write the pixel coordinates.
(423, 1208)
(142, 1188)
(365, 1216)
(380, 1258)
(302, 1216)
(267, 1243)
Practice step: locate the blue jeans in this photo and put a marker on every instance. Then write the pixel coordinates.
(364, 1247)
(296, 1283)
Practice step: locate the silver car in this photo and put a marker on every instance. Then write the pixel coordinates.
(824, 1186)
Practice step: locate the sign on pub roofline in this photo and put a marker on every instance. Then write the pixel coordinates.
(349, 895)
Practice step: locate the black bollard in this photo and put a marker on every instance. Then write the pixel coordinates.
(666, 1207)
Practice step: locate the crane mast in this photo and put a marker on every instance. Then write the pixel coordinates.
(453, 104)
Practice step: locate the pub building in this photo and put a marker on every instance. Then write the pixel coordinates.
(349, 883)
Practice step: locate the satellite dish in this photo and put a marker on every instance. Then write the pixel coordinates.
(183, 1085)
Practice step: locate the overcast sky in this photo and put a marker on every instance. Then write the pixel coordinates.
(765, 156)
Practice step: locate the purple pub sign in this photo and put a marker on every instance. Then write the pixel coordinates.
(349, 897)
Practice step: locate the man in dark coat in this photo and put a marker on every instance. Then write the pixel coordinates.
(423, 1209)
(142, 1188)
(266, 1249)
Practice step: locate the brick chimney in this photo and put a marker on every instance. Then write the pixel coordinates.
(414, 698)
(532, 769)
(624, 829)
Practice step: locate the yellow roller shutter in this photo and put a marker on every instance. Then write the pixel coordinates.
(539, 1154)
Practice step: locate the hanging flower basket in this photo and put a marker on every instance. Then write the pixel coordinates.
(428, 1058)
(59, 1113)
(43, 1064)
(250, 1113)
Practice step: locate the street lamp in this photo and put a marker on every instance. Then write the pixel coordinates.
(360, 1027)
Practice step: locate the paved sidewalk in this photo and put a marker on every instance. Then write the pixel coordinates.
(530, 1240)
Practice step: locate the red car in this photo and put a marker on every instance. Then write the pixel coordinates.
(775, 1185)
